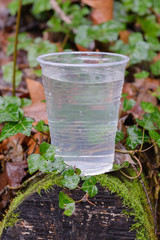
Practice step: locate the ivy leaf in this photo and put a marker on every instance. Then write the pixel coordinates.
(58, 164)
(41, 6)
(155, 116)
(34, 162)
(119, 136)
(8, 74)
(13, 5)
(25, 102)
(70, 182)
(82, 37)
(155, 136)
(128, 104)
(47, 150)
(147, 107)
(90, 187)
(24, 42)
(12, 100)
(135, 137)
(155, 68)
(134, 38)
(150, 25)
(141, 75)
(9, 113)
(41, 126)
(66, 203)
(146, 123)
(39, 47)
(24, 126)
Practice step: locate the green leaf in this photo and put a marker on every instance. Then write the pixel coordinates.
(82, 37)
(58, 164)
(155, 68)
(128, 104)
(9, 113)
(154, 43)
(119, 136)
(146, 123)
(24, 42)
(41, 126)
(69, 209)
(120, 13)
(147, 107)
(24, 126)
(140, 52)
(25, 102)
(70, 182)
(34, 162)
(135, 136)
(69, 172)
(8, 74)
(89, 186)
(39, 47)
(155, 117)
(119, 166)
(124, 95)
(41, 6)
(13, 5)
(134, 38)
(155, 136)
(156, 6)
(47, 150)
(150, 26)
(12, 100)
(66, 203)
(156, 93)
(141, 75)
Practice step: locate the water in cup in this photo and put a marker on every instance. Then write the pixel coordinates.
(83, 114)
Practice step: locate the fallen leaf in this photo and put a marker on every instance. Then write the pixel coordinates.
(15, 151)
(36, 90)
(124, 35)
(37, 111)
(102, 10)
(15, 172)
(120, 158)
(156, 58)
(32, 146)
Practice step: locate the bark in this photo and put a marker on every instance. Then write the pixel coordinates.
(41, 218)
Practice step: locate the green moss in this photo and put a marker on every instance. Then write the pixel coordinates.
(133, 196)
(11, 217)
(131, 192)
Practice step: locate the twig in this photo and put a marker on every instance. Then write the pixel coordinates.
(148, 148)
(8, 187)
(15, 47)
(132, 166)
(60, 12)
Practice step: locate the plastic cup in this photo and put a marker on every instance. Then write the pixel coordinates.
(83, 91)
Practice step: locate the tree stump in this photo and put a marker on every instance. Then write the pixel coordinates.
(40, 217)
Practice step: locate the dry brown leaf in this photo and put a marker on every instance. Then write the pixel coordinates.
(15, 151)
(102, 10)
(121, 157)
(37, 111)
(32, 146)
(15, 172)
(36, 90)
(156, 58)
(124, 35)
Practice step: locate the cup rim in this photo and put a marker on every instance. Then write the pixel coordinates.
(124, 59)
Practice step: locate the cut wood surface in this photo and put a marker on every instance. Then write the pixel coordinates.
(42, 219)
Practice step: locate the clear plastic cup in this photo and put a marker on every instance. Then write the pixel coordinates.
(83, 91)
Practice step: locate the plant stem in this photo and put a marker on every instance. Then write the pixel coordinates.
(142, 141)
(15, 47)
